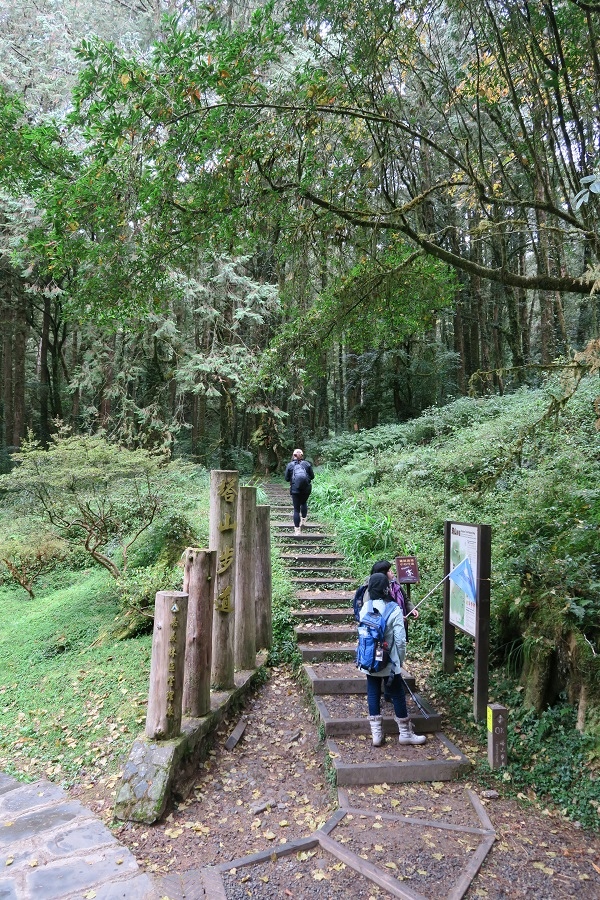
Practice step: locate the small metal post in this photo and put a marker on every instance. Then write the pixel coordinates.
(497, 721)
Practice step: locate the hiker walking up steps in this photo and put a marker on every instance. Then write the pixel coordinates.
(299, 473)
(380, 654)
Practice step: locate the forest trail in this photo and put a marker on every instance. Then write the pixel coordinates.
(264, 820)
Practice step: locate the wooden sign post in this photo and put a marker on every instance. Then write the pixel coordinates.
(163, 719)
(245, 552)
(224, 487)
(263, 580)
(198, 584)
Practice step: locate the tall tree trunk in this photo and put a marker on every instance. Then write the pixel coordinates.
(7, 372)
(19, 375)
(44, 375)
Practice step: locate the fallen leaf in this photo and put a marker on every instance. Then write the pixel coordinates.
(390, 865)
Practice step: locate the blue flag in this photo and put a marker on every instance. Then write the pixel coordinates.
(462, 576)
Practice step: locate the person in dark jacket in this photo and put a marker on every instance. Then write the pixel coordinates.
(299, 473)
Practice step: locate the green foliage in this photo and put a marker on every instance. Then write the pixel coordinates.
(137, 591)
(95, 494)
(285, 646)
(28, 558)
(363, 531)
(549, 761)
(544, 512)
(69, 710)
(164, 542)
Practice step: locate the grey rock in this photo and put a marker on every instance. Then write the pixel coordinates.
(84, 836)
(57, 880)
(38, 821)
(26, 796)
(139, 888)
(140, 789)
(258, 808)
(8, 889)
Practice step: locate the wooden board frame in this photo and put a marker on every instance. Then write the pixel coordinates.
(325, 839)
(482, 616)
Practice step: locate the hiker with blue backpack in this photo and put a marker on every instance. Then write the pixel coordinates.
(380, 653)
(397, 593)
(299, 473)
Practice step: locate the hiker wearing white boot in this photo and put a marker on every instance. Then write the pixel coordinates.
(380, 653)
(299, 473)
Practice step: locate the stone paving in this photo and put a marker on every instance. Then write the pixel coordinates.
(52, 847)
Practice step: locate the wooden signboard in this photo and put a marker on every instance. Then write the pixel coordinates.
(407, 570)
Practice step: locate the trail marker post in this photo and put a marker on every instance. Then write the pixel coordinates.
(224, 488)
(263, 584)
(198, 583)
(497, 721)
(163, 718)
(245, 551)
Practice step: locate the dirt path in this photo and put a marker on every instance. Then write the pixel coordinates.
(275, 787)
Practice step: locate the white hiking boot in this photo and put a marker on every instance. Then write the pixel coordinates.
(406, 733)
(376, 730)
(303, 519)
(297, 530)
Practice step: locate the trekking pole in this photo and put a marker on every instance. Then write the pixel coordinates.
(429, 594)
(415, 700)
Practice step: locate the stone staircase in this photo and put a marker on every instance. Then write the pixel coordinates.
(326, 634)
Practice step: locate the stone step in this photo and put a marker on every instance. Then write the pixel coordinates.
(315, 537)
(325, 597)
(436, 760)
(340, 651)
(332, 579)
(313, 557)
(323, 633)
(326, 615)
(343, 678)
(425, 720)
(286, 525)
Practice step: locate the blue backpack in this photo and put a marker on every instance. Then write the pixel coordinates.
(372, 651)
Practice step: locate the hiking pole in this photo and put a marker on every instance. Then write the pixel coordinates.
(429, 594)
(415, 700)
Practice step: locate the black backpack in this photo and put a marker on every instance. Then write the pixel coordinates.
(300, 479)
(358, 600)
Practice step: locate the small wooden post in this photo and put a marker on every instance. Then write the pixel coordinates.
(163, 719)
(224, 487)
(264, 585)
(245, 606)
(198, 583)
(497, 720)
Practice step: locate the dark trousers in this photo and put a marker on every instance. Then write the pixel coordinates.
(395, 691)
(300, 507)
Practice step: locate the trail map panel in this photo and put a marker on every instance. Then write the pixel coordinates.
(463, 544)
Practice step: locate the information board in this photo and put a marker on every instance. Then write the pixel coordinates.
(463, 545)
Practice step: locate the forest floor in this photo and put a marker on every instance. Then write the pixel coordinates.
(274, 787)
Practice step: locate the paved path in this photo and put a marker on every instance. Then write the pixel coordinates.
(52, 847)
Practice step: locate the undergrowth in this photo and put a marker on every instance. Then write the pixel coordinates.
(480, 461)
